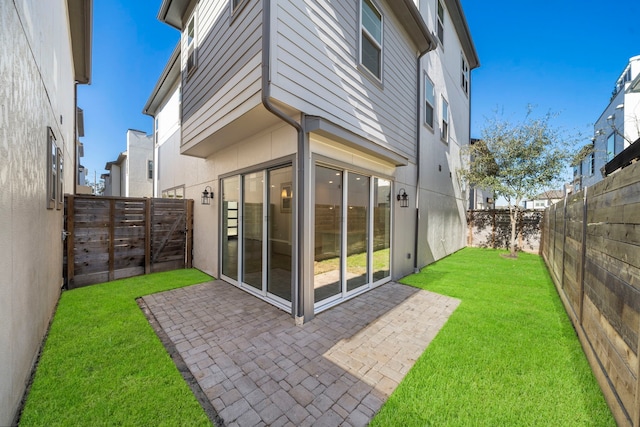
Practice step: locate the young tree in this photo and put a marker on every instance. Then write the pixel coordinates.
(518, 161)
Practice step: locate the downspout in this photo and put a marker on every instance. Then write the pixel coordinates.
(298, 311)
(416, 269)
(76, 160)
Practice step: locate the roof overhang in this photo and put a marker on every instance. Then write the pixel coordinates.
(80, 25)
(172, 11)
(168, 78)
(325, 128)
(462, 28)
(409, 15)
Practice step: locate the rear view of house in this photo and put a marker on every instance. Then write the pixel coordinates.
(330, 134)
(46, 51)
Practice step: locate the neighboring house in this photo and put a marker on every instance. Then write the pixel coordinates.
(544, 200)
(173, 171)
(330, 134)
(131, 174)
(46, 51)
(81, 186)
(616, 128)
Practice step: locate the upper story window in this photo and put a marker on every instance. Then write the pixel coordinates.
(440, 22)
(54, 173)
(150, 169)
(190, 36)
(592, 161)
(444, 131)
(371, 38)
(611, 147)
(464, 74)
(429, 101)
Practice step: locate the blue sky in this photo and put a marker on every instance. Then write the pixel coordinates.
(561, 56)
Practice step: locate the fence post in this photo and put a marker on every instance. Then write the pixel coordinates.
(112, 220)
(70, 229)
(147, 235)
(189, 234)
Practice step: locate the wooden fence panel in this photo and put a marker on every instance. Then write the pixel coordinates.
(593, 256)
(112, 238)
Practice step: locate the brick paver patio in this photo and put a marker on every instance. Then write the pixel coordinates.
(257, 368)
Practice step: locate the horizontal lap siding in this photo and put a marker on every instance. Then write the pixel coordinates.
(316, 71)
(226, 77)
(596, 267)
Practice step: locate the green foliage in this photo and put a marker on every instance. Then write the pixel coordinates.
(508, 355)
(518, 160)
(104, 365)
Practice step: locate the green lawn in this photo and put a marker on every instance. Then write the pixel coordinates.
(508, 356)
(104, 365)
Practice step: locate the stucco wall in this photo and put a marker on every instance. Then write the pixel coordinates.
(36, 91)
(139, 153)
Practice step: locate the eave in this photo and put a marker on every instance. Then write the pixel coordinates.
(172, 11)
(168, 78)
(409, 15)
(462, 28)
(80, 25)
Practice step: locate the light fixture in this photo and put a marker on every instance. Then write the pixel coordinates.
(403, 198)
(207, 195)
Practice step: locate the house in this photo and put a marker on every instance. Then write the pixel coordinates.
(173, 171)
(46, 51)
(327, 136)
(131, 174)
(544, 200)
(81, 186)
(480, 198)
(615, 130)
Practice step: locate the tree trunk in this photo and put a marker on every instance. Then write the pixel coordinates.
(513, 216)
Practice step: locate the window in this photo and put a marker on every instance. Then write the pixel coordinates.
(444, 131)
(150, 169)
(54, 167)
(440, 23)
(611, 147)
(190, 35)
(173, 193)
(592, 161)
(464, 74)
(429, 101)
(371, 38)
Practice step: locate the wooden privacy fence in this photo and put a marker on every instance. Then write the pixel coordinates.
(492, 229)
(591, 245)
(114, 237)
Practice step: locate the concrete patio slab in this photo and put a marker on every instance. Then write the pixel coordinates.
(257, 368)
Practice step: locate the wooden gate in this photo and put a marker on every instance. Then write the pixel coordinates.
(110, 238)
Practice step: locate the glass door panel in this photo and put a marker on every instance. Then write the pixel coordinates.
(252, 229)
(230, 193)
(357, 266)
(279, 230)
(328, 233)
(381, 229)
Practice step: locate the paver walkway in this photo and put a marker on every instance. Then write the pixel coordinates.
(257, 368)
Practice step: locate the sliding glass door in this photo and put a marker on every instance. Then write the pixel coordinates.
(352, 214)
(256, 232)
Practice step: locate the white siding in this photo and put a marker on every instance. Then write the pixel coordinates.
(316, 71)
(227, 78)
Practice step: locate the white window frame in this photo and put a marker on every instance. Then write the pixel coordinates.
(440, 21)
(191, 41)
(444, 128)
(364, 33)
(427, 103)
(54, 167)
(464, 74)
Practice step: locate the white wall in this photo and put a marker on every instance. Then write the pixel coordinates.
(36, 91)
(139, 153)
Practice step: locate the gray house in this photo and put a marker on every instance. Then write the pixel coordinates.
(328, 134)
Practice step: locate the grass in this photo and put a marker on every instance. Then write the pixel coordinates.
(508, 356)
(104, 365)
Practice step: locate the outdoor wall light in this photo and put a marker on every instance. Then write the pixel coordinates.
(403, 198)
(207, 195)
